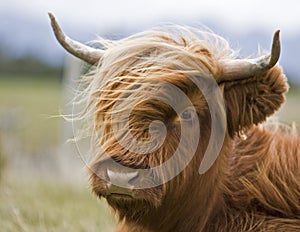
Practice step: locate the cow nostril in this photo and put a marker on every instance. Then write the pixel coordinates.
(120, 178)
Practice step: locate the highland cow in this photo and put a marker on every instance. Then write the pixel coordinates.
(173, 96)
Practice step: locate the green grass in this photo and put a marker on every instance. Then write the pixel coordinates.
(33, 102)
(35, 203)
(39, 205)
(290, 112)
(2, 164)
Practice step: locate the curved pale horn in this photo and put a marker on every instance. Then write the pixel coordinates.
(242, 69)
(83, 52)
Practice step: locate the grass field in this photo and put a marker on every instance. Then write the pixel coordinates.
(37, 203)
(41, 205)
(31, 102)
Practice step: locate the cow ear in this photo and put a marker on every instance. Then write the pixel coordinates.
(250, 101)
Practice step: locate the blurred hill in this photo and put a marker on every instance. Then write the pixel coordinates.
(29, 66)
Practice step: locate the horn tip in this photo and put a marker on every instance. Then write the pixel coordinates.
(275, 53)
(277, 34)
(56, 28)
(53, 20)
(51, 16)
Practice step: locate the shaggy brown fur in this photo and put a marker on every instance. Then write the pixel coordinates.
(254, 185)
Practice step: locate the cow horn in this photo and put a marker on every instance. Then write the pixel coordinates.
(242, 69)
(83, 52)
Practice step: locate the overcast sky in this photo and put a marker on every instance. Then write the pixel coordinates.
(247, 24)
(236, 14)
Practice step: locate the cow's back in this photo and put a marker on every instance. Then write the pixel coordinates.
(264, 180)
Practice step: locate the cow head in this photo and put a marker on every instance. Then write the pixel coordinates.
(152, 101)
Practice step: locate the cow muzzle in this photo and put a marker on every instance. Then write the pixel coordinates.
(121, 183)
(117, 179)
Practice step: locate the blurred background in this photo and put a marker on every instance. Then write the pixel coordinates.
(43, 181)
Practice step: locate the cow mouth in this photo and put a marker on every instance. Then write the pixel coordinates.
(120, 198)
(128, 203)
(118, 192)
(129, 206)
(117, 197)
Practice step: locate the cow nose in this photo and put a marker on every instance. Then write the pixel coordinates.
(121, 179)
